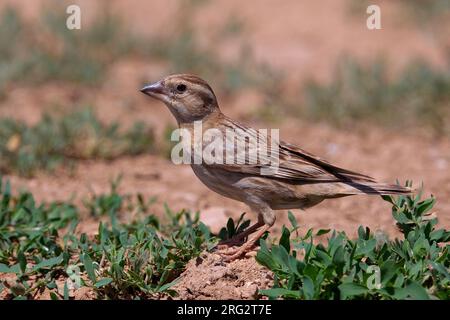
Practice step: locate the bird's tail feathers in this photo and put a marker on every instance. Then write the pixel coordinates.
(379, 188)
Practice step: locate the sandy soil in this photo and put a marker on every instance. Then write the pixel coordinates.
(209, 277)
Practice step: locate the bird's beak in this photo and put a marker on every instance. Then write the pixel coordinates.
(155, 90)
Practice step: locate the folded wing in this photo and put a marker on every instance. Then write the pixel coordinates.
(287, 161)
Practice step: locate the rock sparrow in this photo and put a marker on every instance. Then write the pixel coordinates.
(301, 179)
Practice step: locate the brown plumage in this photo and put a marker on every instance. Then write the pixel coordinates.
(301, 179)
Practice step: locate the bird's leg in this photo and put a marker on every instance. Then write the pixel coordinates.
(268, 219)
(248, 245)
(237, 239)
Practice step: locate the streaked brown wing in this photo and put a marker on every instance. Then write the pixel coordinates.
(294, 153)
(294, 163)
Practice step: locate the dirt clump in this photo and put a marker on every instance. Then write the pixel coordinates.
(210, 277)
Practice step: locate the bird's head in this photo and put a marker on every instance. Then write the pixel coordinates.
(188, 97)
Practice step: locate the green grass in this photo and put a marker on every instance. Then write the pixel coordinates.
(136, 255)
(133, 260)
(422, 13)
(56, 141)
(415, 267)
(183, 51)
(417, 97)
(44, 50)
(426, 10)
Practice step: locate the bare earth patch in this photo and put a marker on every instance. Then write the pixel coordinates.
(210, 277)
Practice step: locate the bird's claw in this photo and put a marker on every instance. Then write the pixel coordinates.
(230, 254)
(225, 244)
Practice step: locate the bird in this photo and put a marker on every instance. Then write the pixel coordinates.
(300, 179)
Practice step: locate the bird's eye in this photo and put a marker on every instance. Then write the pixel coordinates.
(181, 88)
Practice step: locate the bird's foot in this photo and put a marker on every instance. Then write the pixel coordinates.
(240, 252)
(229, 243)
(230, 250)
(239, 239)
(236, 253)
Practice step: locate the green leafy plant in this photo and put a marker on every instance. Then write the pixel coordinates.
(419, 96)
(44, 50)
(102, 204)
(84, 56)
(369, 267)
(55, 140)
(233, 228)
(39, 245)
(138, 259)
(41, 250)
(421, 12)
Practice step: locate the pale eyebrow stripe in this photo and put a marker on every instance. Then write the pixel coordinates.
(196, 81)
(198, 84)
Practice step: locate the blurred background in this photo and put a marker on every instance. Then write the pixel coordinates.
(72, 118)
